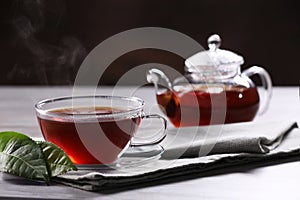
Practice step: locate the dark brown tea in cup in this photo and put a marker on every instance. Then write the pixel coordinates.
(64, 133)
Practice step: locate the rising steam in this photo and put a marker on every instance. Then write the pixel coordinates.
(51, 62)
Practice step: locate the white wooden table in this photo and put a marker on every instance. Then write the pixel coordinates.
(281, 181)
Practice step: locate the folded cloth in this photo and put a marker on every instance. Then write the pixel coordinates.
(234, 145)
(230, 138)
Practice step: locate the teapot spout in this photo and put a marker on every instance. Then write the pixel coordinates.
(160, 80)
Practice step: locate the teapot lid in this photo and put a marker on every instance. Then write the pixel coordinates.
(213, 59)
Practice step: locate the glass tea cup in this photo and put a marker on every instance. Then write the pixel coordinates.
(95, 129)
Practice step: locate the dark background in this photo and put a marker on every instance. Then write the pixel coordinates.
(44, 42)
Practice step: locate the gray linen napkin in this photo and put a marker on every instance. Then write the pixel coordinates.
(246, 137)
(233, 145)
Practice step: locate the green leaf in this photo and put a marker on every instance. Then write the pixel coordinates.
(21, 156)
(57, 160)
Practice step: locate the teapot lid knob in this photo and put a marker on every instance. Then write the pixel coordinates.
(214, 42)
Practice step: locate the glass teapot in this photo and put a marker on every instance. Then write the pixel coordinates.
(213, 89)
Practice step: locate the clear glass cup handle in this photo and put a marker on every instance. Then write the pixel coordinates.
(156, 138)
(266, 83)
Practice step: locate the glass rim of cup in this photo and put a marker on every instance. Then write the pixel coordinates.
(48, 113)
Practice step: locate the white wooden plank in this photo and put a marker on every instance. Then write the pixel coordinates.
(272, 182)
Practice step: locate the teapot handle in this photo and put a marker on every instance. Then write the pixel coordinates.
(266, 83)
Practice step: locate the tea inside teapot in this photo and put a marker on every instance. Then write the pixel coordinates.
(241, 104)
